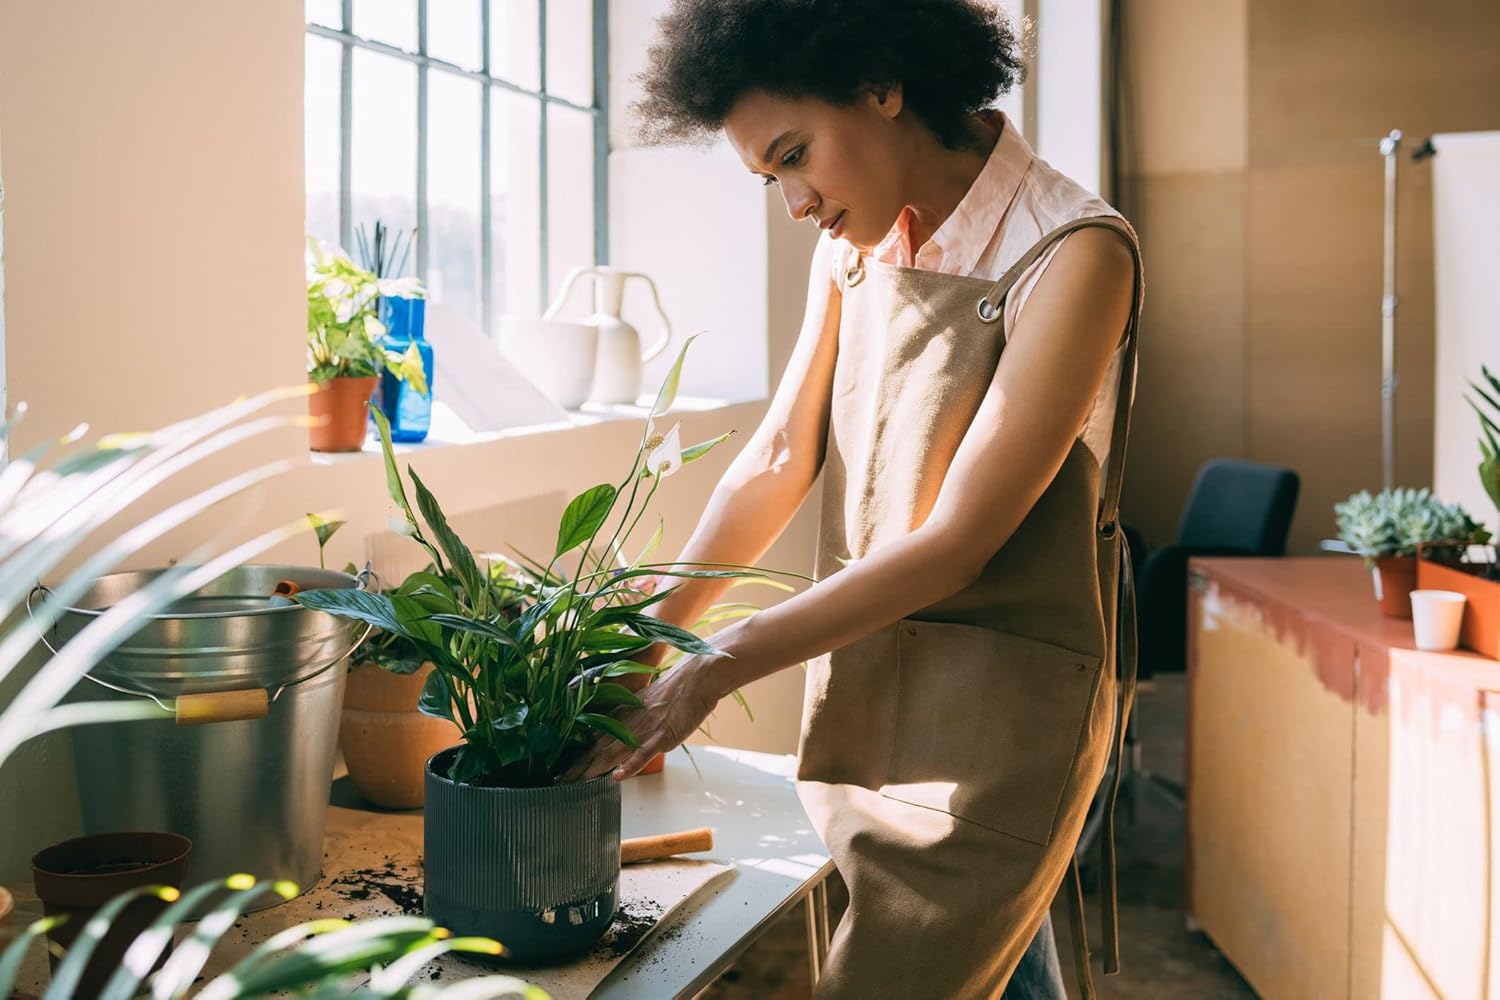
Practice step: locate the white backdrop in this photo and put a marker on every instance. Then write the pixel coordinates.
(1466, 255)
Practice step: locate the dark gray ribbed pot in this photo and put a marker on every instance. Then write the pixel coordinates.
(537, 869)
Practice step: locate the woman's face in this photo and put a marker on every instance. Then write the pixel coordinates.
(842, 167)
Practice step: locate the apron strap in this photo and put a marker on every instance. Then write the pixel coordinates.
(1125, 624)
(991, 307)
(1073, 886)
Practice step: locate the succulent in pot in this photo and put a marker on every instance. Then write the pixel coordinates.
(511, 852)
(1388, 529)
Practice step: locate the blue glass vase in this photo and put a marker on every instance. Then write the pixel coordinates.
(408, 411)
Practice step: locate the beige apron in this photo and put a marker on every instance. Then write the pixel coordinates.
(949, 760)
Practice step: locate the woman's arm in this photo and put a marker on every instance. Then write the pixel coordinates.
(771, 476)
(1064, 341)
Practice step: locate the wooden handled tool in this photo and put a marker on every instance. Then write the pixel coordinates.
(222, 706)
(665, 845)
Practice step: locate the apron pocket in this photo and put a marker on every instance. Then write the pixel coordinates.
(988, 725)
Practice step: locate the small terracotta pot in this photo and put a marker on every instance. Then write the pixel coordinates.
(340, 409)
(77, 877)
(655, 765)
(1396, 579)
(386, 741)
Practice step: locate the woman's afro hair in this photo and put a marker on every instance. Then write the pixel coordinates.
(951, 58)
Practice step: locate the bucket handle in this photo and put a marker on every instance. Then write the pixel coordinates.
(217, 706)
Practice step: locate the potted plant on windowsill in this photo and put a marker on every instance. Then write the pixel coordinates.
(510, 850)
(1390, 527)
(1478, 581)
(345, 351)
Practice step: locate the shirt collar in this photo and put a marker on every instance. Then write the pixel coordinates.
(963, 237)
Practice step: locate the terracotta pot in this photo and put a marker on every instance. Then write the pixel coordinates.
(340, 409)
(655, 765)
(1396, 578)
(76, 877)
(1481, 625)
(386, 741)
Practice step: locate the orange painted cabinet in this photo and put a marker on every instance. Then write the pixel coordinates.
(1341, 786)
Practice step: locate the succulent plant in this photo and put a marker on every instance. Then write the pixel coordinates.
(1395, 522)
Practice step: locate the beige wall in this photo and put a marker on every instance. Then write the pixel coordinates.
(1257, 188)
(153, 213)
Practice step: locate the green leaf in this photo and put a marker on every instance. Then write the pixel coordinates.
(613, 727)
(612, 694)
(459, 556)
(605, 641)
(583, 517)
(437, 698)
(356, 948)
(324, 529)
(624, 667)
(667, 394)
(476, 626)
(377, 609)
(412, 370)
(150, 942)
(659, 631)
(514, 717)
(401, 666)
(392, 475)
(68, 975)
(15, 952)
(471, 763)
(189, 958)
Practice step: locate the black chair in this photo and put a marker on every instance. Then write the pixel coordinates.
(1235, 508)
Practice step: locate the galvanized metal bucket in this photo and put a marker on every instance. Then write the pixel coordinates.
(257, 683)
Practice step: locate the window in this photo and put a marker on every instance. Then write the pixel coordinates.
(481, 123)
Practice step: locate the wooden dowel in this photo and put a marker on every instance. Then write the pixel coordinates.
(665, 845)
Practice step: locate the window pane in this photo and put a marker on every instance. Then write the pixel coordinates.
(384, 155)
(453, 126)
(320, 123)
(329, 13)
(570, 192)
(570, 50)
(515, 42)
(453, 33)
(515, 161)
(391, 21)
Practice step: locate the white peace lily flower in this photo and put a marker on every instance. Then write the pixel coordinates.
(399, 525)
(666, 453)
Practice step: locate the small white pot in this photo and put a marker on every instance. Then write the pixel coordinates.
(1436, 616)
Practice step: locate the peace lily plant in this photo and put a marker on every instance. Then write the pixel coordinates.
(531, 678)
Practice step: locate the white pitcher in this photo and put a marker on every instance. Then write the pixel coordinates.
(617, 371)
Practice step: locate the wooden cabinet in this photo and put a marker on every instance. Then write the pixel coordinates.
(1341, 833)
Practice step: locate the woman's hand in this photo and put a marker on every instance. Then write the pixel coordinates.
(673, 706)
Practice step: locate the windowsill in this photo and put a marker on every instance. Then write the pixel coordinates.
(448, 431)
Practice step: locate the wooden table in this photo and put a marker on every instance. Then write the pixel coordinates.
(1341, 788)
(761, 835)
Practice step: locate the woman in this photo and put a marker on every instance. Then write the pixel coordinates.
(961, 691)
